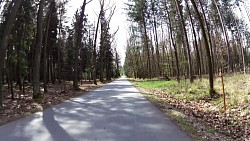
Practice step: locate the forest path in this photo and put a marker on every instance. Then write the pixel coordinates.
(115, 112)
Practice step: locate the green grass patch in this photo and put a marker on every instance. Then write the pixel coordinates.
(149, 84)
(182, 90)
(237, 89)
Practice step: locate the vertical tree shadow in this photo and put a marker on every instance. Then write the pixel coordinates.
(56, 131)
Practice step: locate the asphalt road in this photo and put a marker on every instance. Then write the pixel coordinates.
(115, 112)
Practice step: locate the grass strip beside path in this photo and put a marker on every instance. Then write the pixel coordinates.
(192, 108)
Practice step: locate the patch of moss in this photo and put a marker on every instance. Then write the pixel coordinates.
(38, 98)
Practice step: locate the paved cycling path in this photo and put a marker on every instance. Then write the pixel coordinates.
(115, 112)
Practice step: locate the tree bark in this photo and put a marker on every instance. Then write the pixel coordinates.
(37, 54)
(45, 51)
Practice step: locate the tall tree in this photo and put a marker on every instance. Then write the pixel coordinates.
(229, 57)
(37, 52)
(195, 39)
(173, 42)
(210, 66)
(79, 35)
(49, 14)
(138, 13)
(94, 50)
(190, 69)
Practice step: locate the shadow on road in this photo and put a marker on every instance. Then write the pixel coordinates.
(115, 112)
(56, 131)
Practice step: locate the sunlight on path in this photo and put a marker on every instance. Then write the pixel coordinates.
(115, 112)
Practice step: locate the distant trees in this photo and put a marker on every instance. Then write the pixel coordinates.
(197, 38)
(46, 50)
(6, 27)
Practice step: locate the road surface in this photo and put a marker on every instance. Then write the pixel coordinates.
(115, 112)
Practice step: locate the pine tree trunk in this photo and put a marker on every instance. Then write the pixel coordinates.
(78, 44)
(208, 34)
(186, 41)
(195, 41)
(149, 75)
(156, 40)
(174, 45)
(94, 50)
(37, 54)
(229, 57)
(45, 50)
(18, 64)
(210, 66)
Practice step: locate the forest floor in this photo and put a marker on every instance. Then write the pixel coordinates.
(202, 117)
(24, 105)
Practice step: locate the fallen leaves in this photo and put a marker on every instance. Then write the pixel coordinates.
(25, 105)
(233, 123)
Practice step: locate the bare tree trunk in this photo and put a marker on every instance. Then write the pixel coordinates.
(241, 44)
(153, 62)
(147, 48)
(174, 45)
(94, 50)
(156, 39)
(208, 33)
(78, 43)
(187, 43)
(229, 57)
(18, 64)
(195, 41)
(10, 70)
(4, 41)
(45, 51)
(210, 69)
(37, 54)
(60, 61)
(242, 54)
